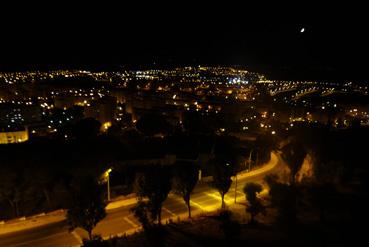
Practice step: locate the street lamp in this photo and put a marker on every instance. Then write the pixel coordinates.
(250, 159)
(235, 190)
(107, 177)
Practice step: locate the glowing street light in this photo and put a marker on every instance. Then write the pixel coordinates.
(106, 176)
(249, 161)
(235, 189)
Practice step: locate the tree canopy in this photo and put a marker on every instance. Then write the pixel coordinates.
(88, 206)
(255, 206)
(185, 179)
(155, 184)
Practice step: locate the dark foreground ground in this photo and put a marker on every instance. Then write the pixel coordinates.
(207, 231)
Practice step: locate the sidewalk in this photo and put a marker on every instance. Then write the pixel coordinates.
(266, 167)
(122, 201)
(25, 223)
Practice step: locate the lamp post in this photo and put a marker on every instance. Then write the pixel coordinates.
(250, 159)
(107, 175)
(108, 188)
(235, 190)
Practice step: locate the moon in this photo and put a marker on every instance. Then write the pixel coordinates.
(302, 30)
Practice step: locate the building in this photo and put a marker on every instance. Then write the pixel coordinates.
(14, 136)
(15, 115)
(102, 110)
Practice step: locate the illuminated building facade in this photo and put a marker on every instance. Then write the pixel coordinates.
(15, 136)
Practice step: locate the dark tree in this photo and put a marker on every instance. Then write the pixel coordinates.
(255, 205)
(87, 128)
(19, 189)
(293, 154)
(140, 211)
(222, 173)
(152, 124)
(283, 197)
(197, 124)
(226, 163)
(230, 227)
(262, 148)
(327, 167)
(228, 149)
(88, 207)
(11, 190)
(322, 198)
(185, 179)
(96, 241)
(42, 182)
(155, 184)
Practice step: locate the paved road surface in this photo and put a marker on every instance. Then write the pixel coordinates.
(55, 234)
(119, 221)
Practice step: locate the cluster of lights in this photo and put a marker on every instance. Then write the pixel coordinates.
(238, 81)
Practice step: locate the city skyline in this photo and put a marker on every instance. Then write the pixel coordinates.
(183, 124)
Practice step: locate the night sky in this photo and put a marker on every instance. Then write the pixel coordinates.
(265, 38)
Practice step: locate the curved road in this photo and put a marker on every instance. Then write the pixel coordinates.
(120, 220)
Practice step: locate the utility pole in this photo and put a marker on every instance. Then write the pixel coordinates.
(235, 191)
(108, 187)
(250, 159)
(107, 177)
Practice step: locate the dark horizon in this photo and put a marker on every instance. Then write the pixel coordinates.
(123, 145)
(269, 41)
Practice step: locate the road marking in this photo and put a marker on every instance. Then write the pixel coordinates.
(196, 204)
(79, 239)
(228, 199)
(205, 200)
(214, 196)
(130, 222)
(168, 211)
(192, 203)
(239, 192)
